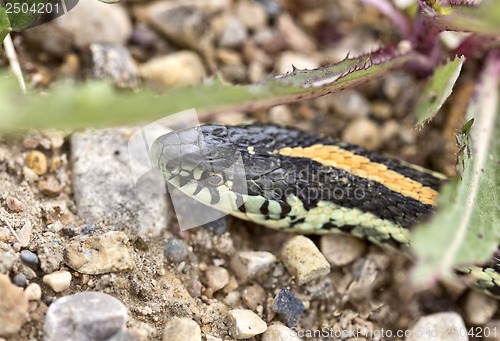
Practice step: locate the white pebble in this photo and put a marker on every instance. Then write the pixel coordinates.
(303, 259)
(58, 280)
(280, 332)
(250, 264)
(182, 329)
(33, 292)
(245, 324)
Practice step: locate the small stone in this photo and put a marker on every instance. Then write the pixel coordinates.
(382, 110)
(232, 285)
(33, 292)
(13, 307)
(217, 277)
(233, 34)
(50, 187)
(24, 233)
(228, 57)
(194, 288)
(288, 60)
(218, 226)
(29, 257)
(279, 332)
(176, 250)
(438, 327)
(37, 161)
(69, 317)
(109, 252)
(340, 250)
(350, 104)
(114, 62)
(19, 280)
(185, 24)
(303, 259)
(490, 331)
(14, 205)
(90, 22)
(363, 132)
(251, 264)
(294, 36)
(253, 296)
(251, 14)
(58, 280)
(366, 273)
(181, 329)
(245, 324)
(281, 114)
(288, 307)
(479, 308)
(176, 69)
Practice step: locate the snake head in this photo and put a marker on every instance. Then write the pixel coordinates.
(201, 162)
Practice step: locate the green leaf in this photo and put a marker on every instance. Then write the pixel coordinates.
(99, 103)
(4, 25)
(483, 18)
(438, 89)
(466, 228)
(24, 13)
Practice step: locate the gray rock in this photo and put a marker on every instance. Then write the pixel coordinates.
(447, 326)
(19, 280)
(233, 34)
(175, 250)
(109, 252)
(252, 14)
(89, 22)
(29, 257)
(13, 307)
(103, 186)
(350, 104)
(68, 318)
(182, 329)
(185, 24)
(288, 307)
(114, 62)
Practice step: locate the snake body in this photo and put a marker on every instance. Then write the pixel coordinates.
(292, 180)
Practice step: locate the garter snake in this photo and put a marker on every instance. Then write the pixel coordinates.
(292, 180)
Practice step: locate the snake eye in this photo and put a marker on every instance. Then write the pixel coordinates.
(215, 179)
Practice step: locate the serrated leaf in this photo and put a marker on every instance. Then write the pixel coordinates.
(98, 103)
(438, 89)
(466, 228)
